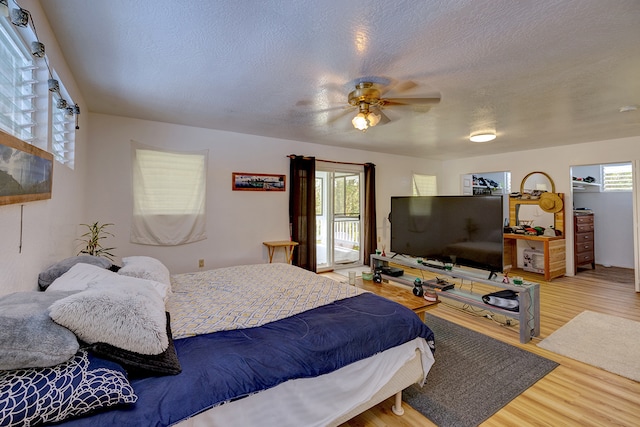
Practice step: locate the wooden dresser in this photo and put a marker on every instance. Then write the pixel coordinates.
(583, 240)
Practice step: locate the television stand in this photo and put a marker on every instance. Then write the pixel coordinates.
(528, 314)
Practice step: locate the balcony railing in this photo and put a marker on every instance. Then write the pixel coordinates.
(346, 233)
(346, 239)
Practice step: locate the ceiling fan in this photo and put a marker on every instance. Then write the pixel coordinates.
(368, 99)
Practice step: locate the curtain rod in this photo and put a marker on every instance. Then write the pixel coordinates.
(331, 161)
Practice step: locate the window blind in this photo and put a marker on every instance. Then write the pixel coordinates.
(17, 85)
(168, 196)
(424, 185)
(62, 135)
(617, 177)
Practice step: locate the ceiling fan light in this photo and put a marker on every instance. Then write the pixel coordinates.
(483, 137)
(373, 119)
(360, 122)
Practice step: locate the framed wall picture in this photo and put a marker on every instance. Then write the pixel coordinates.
(26, 171)
(242, 181)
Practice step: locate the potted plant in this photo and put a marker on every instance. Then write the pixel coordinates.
(96, 232)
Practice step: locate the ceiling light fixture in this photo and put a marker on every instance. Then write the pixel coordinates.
(365, 118)
(483, 137)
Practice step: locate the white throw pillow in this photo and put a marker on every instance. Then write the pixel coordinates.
(81, 276)
(78, 277)
(145, 267)
(128, 317)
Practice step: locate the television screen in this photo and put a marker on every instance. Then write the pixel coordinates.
(464, 230)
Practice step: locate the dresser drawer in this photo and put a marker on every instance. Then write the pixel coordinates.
(584, 237)
(584, 258)
(583, 228)
(585, 246)
(583, 219)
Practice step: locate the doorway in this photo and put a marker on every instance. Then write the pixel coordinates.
(339, 203)
(606, 190)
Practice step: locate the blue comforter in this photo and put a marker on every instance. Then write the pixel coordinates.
(229, 365)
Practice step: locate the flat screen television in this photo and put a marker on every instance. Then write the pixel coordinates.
(463, 230)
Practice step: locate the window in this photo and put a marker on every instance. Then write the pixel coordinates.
(168, 196)
(424, 185)
(63, 134)
(617, 177)
(17, 85)
(346, 195)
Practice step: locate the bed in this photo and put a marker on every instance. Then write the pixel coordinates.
(268, 344)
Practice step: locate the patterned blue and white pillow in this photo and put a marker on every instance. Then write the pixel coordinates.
(83, 384)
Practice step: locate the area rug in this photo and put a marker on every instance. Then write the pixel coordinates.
(607, 342)
(473, 376)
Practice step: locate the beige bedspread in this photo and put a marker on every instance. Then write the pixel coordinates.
(247, 296)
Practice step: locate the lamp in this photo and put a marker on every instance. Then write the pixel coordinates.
(37, 49)
(360, 122)
(482, 137)
(22, 18)
(19, 17)
(365, 118)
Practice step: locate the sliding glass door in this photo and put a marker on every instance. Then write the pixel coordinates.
(339, 196)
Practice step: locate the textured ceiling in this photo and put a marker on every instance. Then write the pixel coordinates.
(539, 72)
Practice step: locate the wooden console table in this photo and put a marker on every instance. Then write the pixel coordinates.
(528, 315)
(399, 294)
(288, 246)
(554, 252)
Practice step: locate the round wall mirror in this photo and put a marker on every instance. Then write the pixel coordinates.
(537, 181)
(529, 211)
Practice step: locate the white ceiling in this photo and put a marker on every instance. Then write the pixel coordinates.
(541, 72)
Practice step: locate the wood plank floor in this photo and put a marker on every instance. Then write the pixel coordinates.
(574, 394)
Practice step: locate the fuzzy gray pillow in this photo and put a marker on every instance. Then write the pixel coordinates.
(28, 336)
(51, 273)
(130, 317)
(141, 365)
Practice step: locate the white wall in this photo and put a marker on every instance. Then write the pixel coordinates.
(48, 226)
(237, 222)
(556, 162)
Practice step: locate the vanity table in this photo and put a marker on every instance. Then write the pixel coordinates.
(553, 252)
(553, 247)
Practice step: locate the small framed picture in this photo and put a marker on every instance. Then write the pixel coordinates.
(242, 181)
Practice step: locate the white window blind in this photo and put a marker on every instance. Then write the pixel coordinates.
(63, 134)
(424, 185)
(17, 85)
(168, 196)
(617, 177)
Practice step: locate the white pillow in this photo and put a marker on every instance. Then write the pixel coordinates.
(129, 317)
(81, 276)
(145, 267)
(78, 277)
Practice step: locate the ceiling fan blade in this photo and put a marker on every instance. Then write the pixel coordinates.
(399, 87)
(408, 101)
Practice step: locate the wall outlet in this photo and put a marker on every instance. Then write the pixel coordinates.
(200, 263)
